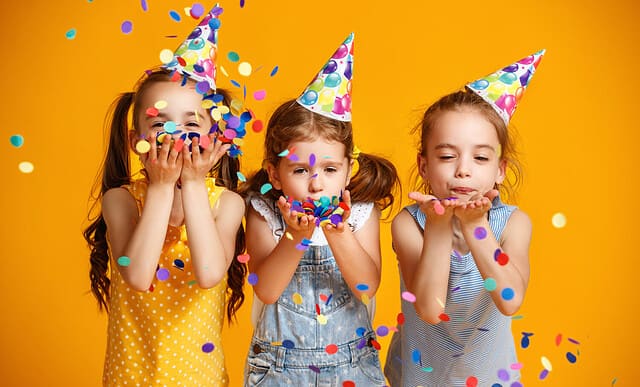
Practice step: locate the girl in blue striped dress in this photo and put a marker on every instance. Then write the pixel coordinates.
(463, 254)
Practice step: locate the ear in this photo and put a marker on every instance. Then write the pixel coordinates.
(350, 169)
(502, 171)
(421, 161)
(274, 176)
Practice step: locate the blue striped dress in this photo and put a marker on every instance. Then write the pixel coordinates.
(477, 341)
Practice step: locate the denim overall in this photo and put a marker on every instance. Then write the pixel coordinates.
(317, 333)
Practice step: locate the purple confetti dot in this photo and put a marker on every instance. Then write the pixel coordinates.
(503, 375)
(208, 347)
(252, 279)
(314, 369)
(126, 27)
(516, 384)
(162, 274)
(382, 331)
(197, 10)
(241, 3)
(312, 160)
(480, 233)
(544, 374)
(143, 4)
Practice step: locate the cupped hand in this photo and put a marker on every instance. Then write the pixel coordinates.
(436, 209)
(476, 208)
(162, 163)
(296, 223)
(340, 227)
(196, 164)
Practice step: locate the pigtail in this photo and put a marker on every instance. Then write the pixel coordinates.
(115, 172)
(375, 181)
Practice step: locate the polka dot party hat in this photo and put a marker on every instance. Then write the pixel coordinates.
(196, 56)
(503, 89)
(329, 94)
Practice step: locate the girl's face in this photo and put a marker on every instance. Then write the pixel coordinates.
(183, 110)
(462, 156)
(312, 169)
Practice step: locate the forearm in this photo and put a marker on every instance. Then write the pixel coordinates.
(431, 279)
(276, 270)
(145, 245)
(356, 265)
(208, 255)
(505, 276)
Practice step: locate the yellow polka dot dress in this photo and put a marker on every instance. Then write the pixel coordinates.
(171, 334)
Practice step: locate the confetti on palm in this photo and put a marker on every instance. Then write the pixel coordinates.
(326, 210)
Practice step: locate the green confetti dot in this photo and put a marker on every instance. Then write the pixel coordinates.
(71, 34)
(233, 56)
(124, 261)
(265, 188)
(490, 284)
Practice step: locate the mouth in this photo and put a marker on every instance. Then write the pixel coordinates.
(462, 190)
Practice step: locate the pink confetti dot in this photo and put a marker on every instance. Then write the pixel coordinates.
(259, 95)
(480, 233)
(408, 296)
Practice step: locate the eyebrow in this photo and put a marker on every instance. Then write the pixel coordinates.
(189, 114)
(479, 146)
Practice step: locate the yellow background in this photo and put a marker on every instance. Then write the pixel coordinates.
(577, 127)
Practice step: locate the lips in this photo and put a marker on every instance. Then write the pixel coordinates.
(462, 190)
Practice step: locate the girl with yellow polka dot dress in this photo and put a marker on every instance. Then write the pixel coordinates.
(168, 238)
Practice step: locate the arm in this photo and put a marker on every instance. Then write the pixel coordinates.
(141, 237)
(211, 232)
(424, 257)
(275, 262)
(357, 254)
(515, 243)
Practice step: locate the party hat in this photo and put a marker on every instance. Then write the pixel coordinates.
(329, 94)
(503, 89)
(196, 56)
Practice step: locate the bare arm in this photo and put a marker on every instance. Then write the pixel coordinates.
(141, 238)
(425, 256)
(516, 239)
(357, 254)
(275, 262)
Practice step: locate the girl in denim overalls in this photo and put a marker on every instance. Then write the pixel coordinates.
(313, 327)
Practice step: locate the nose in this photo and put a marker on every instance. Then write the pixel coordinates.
(463, 168)
(315, 183)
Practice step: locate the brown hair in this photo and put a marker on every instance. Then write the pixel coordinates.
(116, 172)
(468, 99)
(376, 179)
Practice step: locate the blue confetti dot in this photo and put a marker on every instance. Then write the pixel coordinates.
(179, 264)
(174, 15)
(361, 331)
(208, 347)
(507, 294)
(362, 287)
(571, 357)
(288, 344)
(415, 356)
(16, 140)
(274, 71)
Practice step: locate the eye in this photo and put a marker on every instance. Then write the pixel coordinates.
(192, 124)
(331, 169)
(299, 171)
(158, 124)
(446, 157)
(482, 158)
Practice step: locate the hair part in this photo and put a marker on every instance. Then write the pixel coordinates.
(467, 99)
(116, 172)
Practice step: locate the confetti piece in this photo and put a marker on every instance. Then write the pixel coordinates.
(162, 274)
(241, 3)
(382, 331)
(196, 10)
(427, 369)
(314, 369)
(265, 188)
(192, 282)
(573, 341)
(257, 126)
(252, 279)
(571, 357)
(329, 299)
(331, 349)
(143, 146)
(361, 331)
(516, 366)
(322, 319)
(259, 95)
(455, 289)
(297, 298)
(166, 56)
(160, 104)
(25, 167)
(524, 342)
(170, 126)
(274, 71)
(126, 27)
(288, 235)
(440, 302)
(408, 296)
(233, 56)
(243, 258)
(558, 339)
(143, 4)
(614, 381)
(546, 363)
(503, 375)
(518, 317)
(415, 356)
(480, 233)
(438, 208)
(16, 140)
(245, 69)
(507, 294)
(288, 344)
(490, 284)
(362, 287)
(178, 264)
(70, 34)
(472, 381)
(503, 259)
(544, 374)
(365, 299)
(208, 347)
(558, 220)
(312, 160)
(444, 317)
(400, 318)
(124, 261)
(174, 15)
(375, 344)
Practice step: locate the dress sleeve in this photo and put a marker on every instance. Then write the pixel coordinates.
(360, 212)
(271, 214)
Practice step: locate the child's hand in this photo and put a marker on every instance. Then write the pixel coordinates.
(163, 165)
(330, 227)
(196, 165)
(437, 210)
(476, 208)
(303, 225)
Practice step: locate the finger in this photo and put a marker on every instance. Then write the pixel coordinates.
(420, 197)
(492, 194)
(163, 153)
(195, 148)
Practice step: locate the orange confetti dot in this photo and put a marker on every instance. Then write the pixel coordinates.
(444, 317)
(331, 349)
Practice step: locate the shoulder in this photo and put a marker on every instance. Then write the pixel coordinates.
(118, 202)
(230, 198)
(402, 222)
(519, 223)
